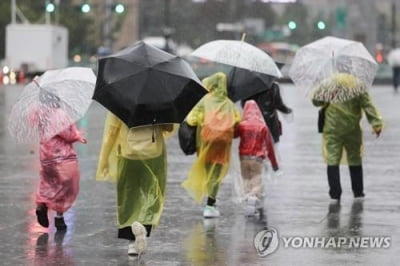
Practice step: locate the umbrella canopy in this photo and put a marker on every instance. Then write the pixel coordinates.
(324, 58)
(394, 57)
(66, 91)
(243, 84)
(238, 54)
(252, 70)
(144, 85)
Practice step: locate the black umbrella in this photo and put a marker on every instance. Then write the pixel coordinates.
(243, 83)
(144, 85)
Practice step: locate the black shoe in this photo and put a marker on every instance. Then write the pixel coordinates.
(60, 224)
(41, 214)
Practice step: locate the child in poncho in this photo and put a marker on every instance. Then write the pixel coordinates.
(256, 144)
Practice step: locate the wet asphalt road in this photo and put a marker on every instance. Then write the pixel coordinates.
(296, 204)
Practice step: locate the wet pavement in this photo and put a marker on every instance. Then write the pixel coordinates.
(296, 204)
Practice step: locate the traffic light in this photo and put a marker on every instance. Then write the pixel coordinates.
(50, 7)
(321, 25)
(85, 8)
(292, 25)
(119, 8)
(341, 17)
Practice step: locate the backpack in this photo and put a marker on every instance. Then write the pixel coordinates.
(217, 127)
(141, 145)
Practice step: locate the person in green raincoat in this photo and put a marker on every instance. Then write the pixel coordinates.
(216, 117)
(136, 159)
(342, 134)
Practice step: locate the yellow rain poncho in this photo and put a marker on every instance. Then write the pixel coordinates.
(342, 132)
(136, 159)
(215, 116)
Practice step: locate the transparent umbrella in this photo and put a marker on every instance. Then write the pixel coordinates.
(51, 103)
(251, 69)
(320, 62)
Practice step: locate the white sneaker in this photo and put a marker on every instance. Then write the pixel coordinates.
(211, 212)
(140, 243)
(251, 206)
(131, 249)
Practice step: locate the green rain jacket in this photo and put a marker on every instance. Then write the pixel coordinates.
(342, 128)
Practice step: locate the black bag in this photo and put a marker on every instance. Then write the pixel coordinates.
(187, 138)
(321, 119)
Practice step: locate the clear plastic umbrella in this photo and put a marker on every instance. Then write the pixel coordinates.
(238, 54)
(319, 62)
(51, 103)
(250, 69)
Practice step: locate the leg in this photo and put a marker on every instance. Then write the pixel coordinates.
(335, 189)
(353, 149)
(41, 214)
(356, 175)
(333, 148)
(59, 222)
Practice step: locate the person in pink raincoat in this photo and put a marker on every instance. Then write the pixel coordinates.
(59, 173)
(256, 144)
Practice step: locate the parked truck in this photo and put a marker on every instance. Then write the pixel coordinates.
(35, 48)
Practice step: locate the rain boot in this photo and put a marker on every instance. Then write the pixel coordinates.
(41, 214)
(335, 189)
(356, 175)
(60, 223)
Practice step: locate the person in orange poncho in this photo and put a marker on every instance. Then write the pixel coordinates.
(215, 116)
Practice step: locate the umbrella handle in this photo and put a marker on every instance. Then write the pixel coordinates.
(153, 136)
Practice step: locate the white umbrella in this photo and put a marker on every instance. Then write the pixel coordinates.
(394, 57)
(238, 54)
(69, 91)
(316, 63)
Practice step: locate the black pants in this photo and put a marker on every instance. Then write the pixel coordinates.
(396, 77)
(126, 232)
(356, 175)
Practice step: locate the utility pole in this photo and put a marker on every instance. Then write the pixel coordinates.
(394, 37)
(107, 42)
(167, 24)
(13, 11)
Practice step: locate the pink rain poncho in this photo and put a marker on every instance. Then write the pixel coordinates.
(59, 173)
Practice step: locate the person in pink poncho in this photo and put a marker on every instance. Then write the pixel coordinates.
(256, 144)
(59, 172)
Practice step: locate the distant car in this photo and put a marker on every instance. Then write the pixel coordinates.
(160, 43)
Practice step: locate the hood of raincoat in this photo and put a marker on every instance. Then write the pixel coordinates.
(251, 112)
(216, 84)
(339, 87)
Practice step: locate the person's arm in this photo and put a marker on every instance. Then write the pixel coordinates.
(372, 114)
(196, 115)
(72, 134)
(279, 104)
(271, 150)
(111, 131)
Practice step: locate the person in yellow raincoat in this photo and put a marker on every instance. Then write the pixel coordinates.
(136, 159)
(342, 130)
(216, 117)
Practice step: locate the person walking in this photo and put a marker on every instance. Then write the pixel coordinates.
(255, 145)
(269, 102)
(136, 159)
(59, 172)
(215, 117)
(342, 133)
